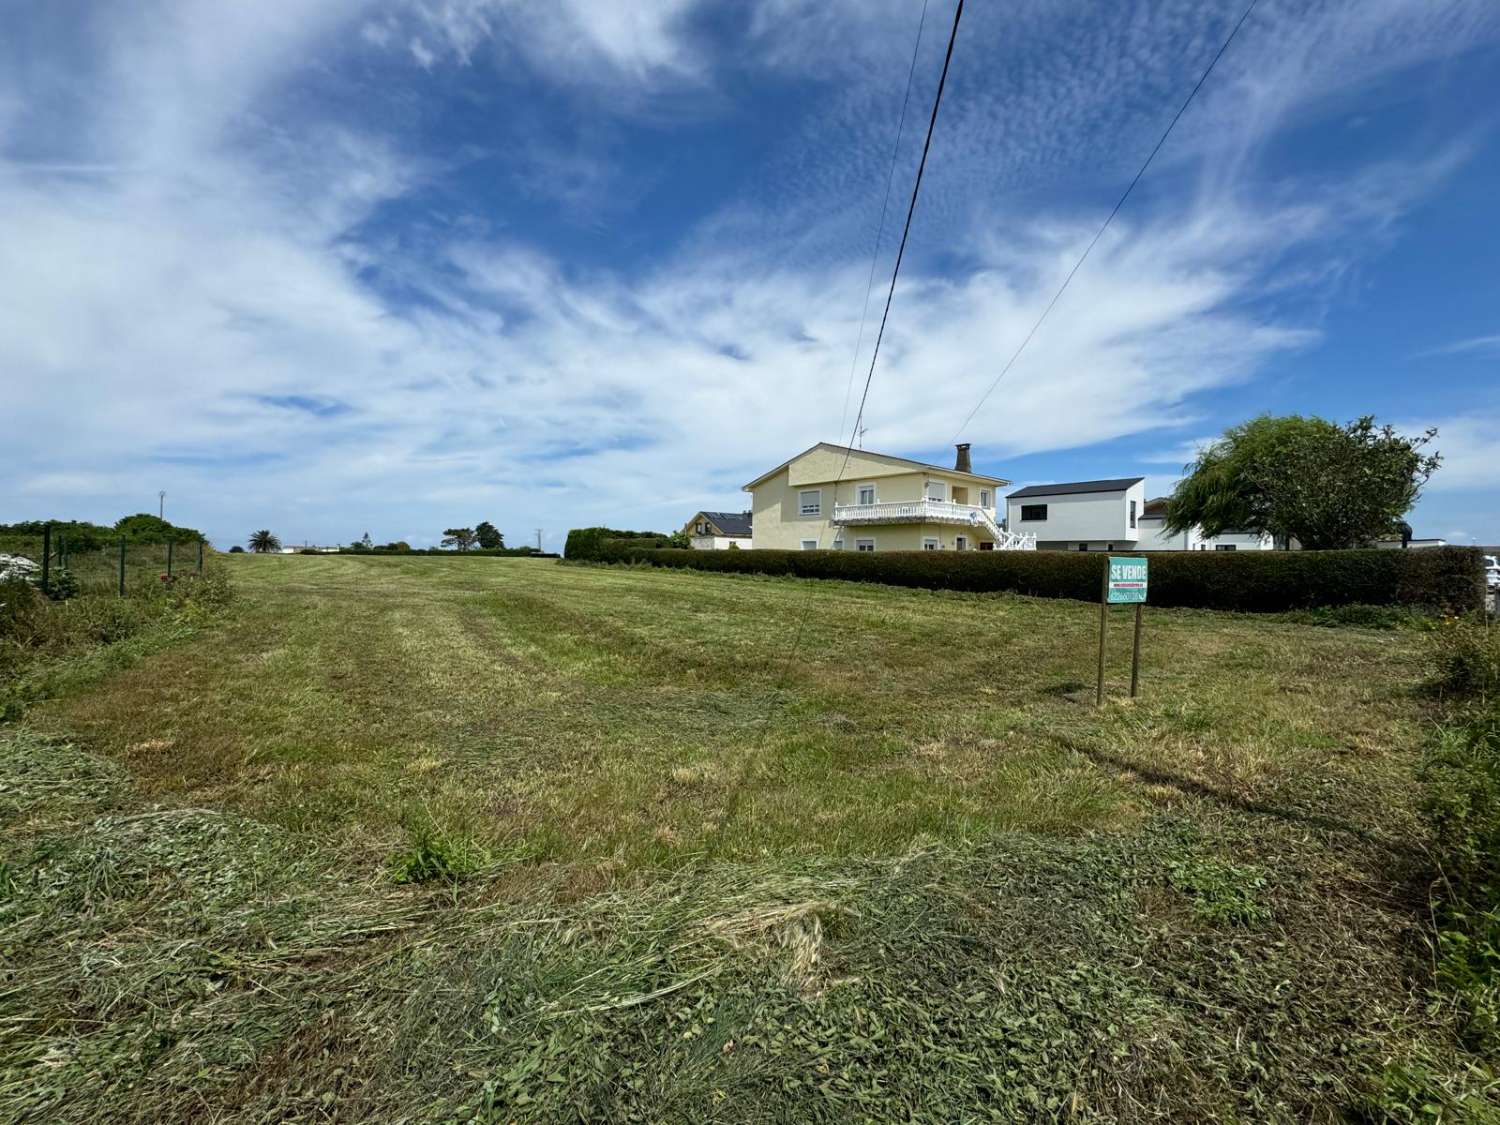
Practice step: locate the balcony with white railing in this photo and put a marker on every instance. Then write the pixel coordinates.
(932, 511)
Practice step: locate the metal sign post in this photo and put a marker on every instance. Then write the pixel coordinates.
(1124, 584)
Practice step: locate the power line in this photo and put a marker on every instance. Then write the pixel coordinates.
(885, 203)
(1100, 233)
(732, 804)
(911, 208)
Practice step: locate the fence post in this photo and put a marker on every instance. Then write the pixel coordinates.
(200, 556)
(46, 555)
(122, 566)
(169, 558)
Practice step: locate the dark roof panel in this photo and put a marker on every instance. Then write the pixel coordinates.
(731, 523)
(1072, 488)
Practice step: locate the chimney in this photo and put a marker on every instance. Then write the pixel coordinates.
(962, 464)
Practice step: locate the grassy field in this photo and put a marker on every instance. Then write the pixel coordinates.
(924, 880)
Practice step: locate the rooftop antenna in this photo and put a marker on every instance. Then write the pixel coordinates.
(861, 435)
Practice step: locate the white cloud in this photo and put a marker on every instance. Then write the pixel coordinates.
(573, 42)
(204, 310)
(1470, 445)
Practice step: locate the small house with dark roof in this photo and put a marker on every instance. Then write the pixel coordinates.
(1082, 515)
(717, 531)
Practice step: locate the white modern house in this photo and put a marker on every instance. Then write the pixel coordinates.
(1083, 515)
(1155, 538)
(1111, 515)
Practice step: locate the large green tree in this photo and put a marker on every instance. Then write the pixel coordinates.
(488, 536)
(1309, 479)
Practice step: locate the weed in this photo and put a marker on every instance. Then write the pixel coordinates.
(434, 854)
(1464, 653)
(1222, 893)
(1462, 778)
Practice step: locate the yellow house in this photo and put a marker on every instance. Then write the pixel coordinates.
(880, 503)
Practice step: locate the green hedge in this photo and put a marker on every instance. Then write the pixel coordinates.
(473, 552)
(1447, 578)
(594, 543)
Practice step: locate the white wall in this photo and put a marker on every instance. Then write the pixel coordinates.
(1085, 517)
(720, 542)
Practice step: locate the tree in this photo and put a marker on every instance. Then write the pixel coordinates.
(489, 537)
(460, 537)
(264, 543)
(366, 542)
(143, 527)
(236, 550)
(1325, 485)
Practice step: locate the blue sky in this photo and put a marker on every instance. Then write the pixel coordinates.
(395, 265)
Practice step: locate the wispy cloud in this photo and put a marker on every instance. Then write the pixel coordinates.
(1472, 344)
(222, 279)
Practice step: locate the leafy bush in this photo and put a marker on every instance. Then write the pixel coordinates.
(1462, 803)
(1464, 653)
(1448, 578)
(61, 585)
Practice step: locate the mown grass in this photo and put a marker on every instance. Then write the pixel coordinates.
(573, 714)
(407, 841)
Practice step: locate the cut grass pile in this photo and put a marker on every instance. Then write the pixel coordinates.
(532, 844)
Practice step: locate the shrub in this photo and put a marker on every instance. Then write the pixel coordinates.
(1461, 773)
(597, 543)
(1465, 656)
(61, 585)
(1448, 578)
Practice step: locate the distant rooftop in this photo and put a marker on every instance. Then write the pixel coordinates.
(1073, 488)
(731, 523)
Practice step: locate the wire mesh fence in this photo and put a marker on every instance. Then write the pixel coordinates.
(87, 565)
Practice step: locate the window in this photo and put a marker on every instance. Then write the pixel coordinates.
(866, 494)
(1083, 546)
(811, 502)
(864, 544)
(929, 544)
(1225, 547)
(838, 544)
(1132, 513)
(984, 497)
(702, 528)
(1109, 546)
(986, 545)
(1031, 513)
(809, 544)
(961, 543)
(937, 490)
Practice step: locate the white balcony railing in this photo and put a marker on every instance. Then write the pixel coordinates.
(932, 511)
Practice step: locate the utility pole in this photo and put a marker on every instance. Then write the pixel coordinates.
(161, 504)
(539, 540)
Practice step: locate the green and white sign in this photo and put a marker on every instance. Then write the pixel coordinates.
(1127, 580)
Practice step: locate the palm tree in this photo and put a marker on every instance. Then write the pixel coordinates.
(263, 543)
